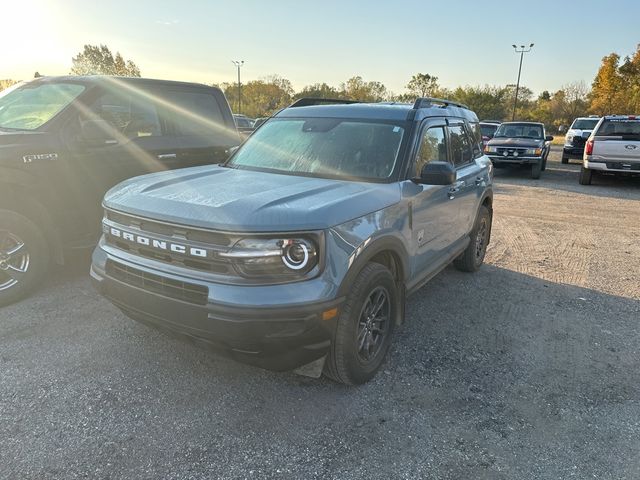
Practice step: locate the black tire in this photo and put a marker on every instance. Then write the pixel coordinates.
(23, 270)
(536, 170)
(345, 362)
(473, 256)
(565, 160)
(544, 164)
(586, 175)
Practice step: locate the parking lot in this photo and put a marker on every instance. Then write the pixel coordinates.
(529, 369)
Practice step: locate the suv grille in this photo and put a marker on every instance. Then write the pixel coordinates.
(157, 233)
(187, 292)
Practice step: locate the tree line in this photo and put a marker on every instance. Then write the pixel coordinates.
(615, 89)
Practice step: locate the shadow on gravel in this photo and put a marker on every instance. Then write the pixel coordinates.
(565, 177)
(494, 375)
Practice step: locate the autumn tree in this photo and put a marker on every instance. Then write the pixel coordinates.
(358, 89)
(98, 60)
(318, 90)
(6, 83)
(262, 97)
(487, 101)
(607, 88)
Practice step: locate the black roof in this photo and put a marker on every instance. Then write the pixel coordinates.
(377, 111)
(102, 79)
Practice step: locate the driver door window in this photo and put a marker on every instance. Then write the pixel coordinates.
(433, 148)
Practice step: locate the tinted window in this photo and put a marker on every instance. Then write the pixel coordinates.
(622, 127)
(433, 147)
(460, 145)
(323, 147)
(585, 124)
(476, 137)
(131, 115)
(194, 113)
(519, 130)
(488, 130)
(29, 107)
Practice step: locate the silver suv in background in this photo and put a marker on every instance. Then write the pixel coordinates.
(613, 147)
(577, 136)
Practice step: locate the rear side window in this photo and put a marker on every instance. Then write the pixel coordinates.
(623, 127)
(433, 147)
(193, 113)
(476, 138)
(461, 149)
(131, 115)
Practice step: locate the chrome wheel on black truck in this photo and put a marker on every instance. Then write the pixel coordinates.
(24, 257)
(365, 326)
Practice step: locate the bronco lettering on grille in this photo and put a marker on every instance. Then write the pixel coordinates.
(158, 244)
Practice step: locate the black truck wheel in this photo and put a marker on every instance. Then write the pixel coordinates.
(565, 160)
(586, 175)
(24, 257)
(473, 256)
(365, 326)
(536, 170)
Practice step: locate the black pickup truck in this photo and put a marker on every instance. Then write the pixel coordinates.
(64, 141)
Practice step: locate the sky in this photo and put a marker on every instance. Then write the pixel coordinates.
(461, 42)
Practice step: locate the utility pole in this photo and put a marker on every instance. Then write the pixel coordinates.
(522, 50)
(238, 64)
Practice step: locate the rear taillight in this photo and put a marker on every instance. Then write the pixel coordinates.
(588, 148)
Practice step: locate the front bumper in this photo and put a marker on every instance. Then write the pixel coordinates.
(276, 337)
(573, 152)
(528, 160)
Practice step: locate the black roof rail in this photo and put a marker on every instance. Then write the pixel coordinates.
(424, 102)
(308, 101)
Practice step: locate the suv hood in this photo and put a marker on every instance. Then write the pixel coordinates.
(516, 142)
(221, 198)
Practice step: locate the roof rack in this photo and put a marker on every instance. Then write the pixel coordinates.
(307, 102)
(425, 102)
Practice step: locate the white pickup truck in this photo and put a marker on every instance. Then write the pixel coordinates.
(613, 147)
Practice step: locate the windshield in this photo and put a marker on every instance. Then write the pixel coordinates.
(488, 130)
(519, 130)
(623, 127)
(324, 147)
(29, 107)
(585, 124)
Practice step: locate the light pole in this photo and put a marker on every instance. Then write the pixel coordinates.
(238, 64)
(522, 50)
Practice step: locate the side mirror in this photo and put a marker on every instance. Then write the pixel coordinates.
(97, 132)
(548, 138)
(437, 173)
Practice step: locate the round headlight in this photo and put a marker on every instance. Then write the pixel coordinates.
(296, 254)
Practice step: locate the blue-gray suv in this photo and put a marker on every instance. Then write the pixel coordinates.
(300, 250)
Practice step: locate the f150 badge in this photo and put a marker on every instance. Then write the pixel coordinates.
(39, 156)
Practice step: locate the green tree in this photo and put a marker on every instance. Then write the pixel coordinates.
(98, 60)
(486, 101)
(318, 90)
(423, 85)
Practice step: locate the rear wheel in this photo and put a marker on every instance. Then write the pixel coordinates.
(586, 175)
(24, 257)
(473, 256)
(365, 326)
(536, 169)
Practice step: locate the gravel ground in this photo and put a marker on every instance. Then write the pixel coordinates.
(528, 369)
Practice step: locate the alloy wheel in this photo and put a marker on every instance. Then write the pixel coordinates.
(14, 259)
(373, 324)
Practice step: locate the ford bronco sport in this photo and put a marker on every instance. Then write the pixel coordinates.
(301, 248)
(64, 141)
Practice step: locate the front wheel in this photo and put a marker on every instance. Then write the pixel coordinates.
(24, 257)
(473, 256)
(536, 170)
(586, 176)
(565, 160)
(365, 326)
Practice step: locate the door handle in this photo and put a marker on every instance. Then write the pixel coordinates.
(166, 156)
(479, 181)
(455, 188)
